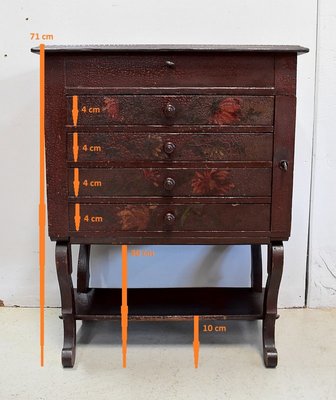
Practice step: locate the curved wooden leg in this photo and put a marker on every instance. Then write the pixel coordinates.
(83, 269)
(274, 267)
(64, 269)
(256, 267)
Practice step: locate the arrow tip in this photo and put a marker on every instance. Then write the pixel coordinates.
(75, 110)
(77, 217)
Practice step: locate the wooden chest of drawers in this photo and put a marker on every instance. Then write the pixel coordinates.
(170, 145)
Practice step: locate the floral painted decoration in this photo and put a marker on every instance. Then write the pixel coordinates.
(135, 218)
(228, 111)
(153, 176)
(155, 145)
(111, 106)
(212, 181)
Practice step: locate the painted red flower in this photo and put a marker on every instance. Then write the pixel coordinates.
(153, 176)
(212, 181)
(228, 111)
(135, 218)
(111, 106)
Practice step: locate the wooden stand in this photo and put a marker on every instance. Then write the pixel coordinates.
(252, 303)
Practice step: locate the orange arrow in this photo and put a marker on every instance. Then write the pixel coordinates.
(42, 203)
(196, 342)
(77, 217)
(75, 109)
(124, 307)
(76, 181)
(124, 323)
(75, 146)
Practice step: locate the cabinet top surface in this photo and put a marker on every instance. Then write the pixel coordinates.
(170, 47)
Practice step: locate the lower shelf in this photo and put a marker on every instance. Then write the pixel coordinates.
(171, 304)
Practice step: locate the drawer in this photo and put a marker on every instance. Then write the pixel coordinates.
(177, 217)
(104, 182)
(172, 110)
(170, 69)
(131, 147)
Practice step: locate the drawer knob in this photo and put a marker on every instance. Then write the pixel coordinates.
(284, 165)
(169, 184)
(169, 219)
(169, 147)
(169, 110)
(170, 64)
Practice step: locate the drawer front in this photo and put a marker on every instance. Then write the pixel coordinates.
(130, 147)
(172, 110)
(103, 182)
(177, 217)
(170, 69)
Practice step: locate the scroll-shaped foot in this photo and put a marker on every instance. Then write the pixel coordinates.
(64, 268)
(69, 345)
(270, 357)
(68, 357)
(275, 266)
(269, 350)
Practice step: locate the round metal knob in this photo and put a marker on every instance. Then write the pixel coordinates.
(169, 184)
(284, 165)
(169, 110)
(169, 147)
(170, 64)
(169, 218)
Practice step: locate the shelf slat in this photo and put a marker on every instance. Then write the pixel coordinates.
(158, 304)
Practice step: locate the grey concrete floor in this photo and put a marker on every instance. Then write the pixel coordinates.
(160, 360)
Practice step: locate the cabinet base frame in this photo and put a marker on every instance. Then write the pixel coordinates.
(158, 304)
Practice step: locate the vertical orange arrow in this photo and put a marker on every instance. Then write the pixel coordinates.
(76, 181)
(196, 342)
(124, 307)
(75, 110)
(42, 206)
(77, 217)
(75, 146)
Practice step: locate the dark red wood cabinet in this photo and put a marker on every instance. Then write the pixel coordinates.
(170, 145)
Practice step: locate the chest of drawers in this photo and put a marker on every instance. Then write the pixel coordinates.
(170, 145)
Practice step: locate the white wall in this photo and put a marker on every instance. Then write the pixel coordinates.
(143, 21)
(322, 260)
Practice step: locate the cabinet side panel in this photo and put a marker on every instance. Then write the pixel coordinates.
(285, 74)
(55, 141)
(283, 175)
